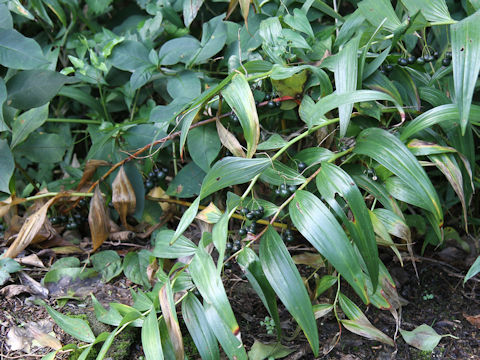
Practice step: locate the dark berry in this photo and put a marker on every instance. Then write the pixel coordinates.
(82, 202)
(228, 264)
(161, 175)
(301, 166)
(428, 58)
(53, 221)
(252, 228)
(278, 103)
(242, 232)
(267, 97)
(258, 214)
(260, 208)
(71, 226)
(420, 61)
(284, 192)
(235, 248)
(411, 59)
(237, 243)
(289, 238)
(62, 219)
(151, 175)
(245, 211)
(228, 246)
(283, 186)
(271, 104)
(388, 68)
(250, 216)
(288, 232)
(435, 54)
(234, 117)
(277, 192)
(402, 62)
(446, 62)
(448, 55)
(149, 184)
(292, 188)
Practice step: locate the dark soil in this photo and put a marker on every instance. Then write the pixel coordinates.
(439, 299)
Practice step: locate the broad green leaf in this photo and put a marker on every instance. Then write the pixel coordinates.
(395, 156)
(333, 180)
(130, 55)
(239, 96)
(285, 279)
(204, 146)
(7, 166)
(319, 226)
(231, 344)
(232, 171)
(107, 263)
(135, 267)
(210, 286)
(20, 52)
(3, 98)
(186, 220)
(289, 81)
(34, 88)
(466, 63)
(313, 155)
(250, 263)
(422, 337)
(474, 270)
(358, 322)
(274, 44)
(434, 11)
(320, 5)
(421, 147)
(184, 84)
(27, 122)
(345, 71)
(375, 11)
(151, 343)
(187, 182)
(394, 224)
(190, 10)
(299, 21)
(219, 237)
(187, 121)
(325, 283)
(194, 317)
(178, 50)
(182, 247)
(433, 96)
(75, 327)
(272, 143)
(43, 148)
(335, 100)
(82, 97)
(6, 21)
(213, 39)
(260, 351)
(280, 174)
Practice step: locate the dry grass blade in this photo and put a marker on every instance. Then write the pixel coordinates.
(229, 140)
(169, 314)
(90, 169)
(98, 219)
(30, 229)
(123, 196)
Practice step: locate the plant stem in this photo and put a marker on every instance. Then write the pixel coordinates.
(78, 121)
(49, 194)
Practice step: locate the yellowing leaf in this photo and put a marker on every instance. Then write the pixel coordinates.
(123, 196)
(98, 219)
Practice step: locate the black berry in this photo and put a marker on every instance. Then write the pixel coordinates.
(420, 61)
(446, 62)
(448, 55)
(242, 232)
(271, 104)
(292, 188)
(301, 166)
(149, 184)
(428, 58)
(402, 62)
(250, 216)
(388, 68)
(82, 202)
(411, 59)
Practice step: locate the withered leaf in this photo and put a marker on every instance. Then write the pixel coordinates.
(90, 169)
(229, 140)
(123, 196)
(30, 229)
(98, 219)
(170, 316)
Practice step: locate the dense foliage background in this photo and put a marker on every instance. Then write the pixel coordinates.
(346, 125)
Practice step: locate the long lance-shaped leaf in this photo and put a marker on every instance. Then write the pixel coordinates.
(383, 237)
(250, 263)
(219, 238)
(437, 115)
(151, 343)
(186, 220)
(319, 226)
(345, 72)
(284, 278)
(167, 305)
(387, 150)
(335, 100)
(210, 286)
(186, 123)
(375, 11)
(240, 98)
(358, 322)
(434, 11)
(466, 63)
(231, 344)
(333, 180)
(194, 316)
(231, 171)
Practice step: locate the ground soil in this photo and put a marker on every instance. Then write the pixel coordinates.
(438, 298)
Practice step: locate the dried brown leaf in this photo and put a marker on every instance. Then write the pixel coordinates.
(98, 219)
(123, 196)
(90, 169)
(229, 140)
(474, 320)
(171, 321)
(31, 260)
(6, 204)
(30, 229)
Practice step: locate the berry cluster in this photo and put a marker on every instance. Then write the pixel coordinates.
(252, 215)
(287, 235)
(272, 104)
(410, 60)
(236, 246)
(154, 177)
(284, 190)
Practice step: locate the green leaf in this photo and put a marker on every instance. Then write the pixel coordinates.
(82, 97)
(28, 122)
(107, 263)
(299, 21)
(190, 10)
(75, 327)
(182, 247)
(239, 96)
(178, 50)
(280, 174)
(204, 146)
(187, 120)
(194, 317)
(34, 88)
(6, 21)
(474, 270)
(272, 143)
(395, 156)
(289, 81)
(43, 148)
(260, 351)
(19, 52)
(325, 283)
(250, 264)
(135, 267)
(284, 278)
(186, 220)
(345, 71)
(333, 180)
(130, 55)
(7, 166)
(187, 183)
(313, 155)
(434, 11)
(319, 226)
(422, 337)
(466, 63)
(210, 286)
(232, 171)
(219, 237)
(375, 11)
(213, 39)
(3, 98)
(184, 84)
(231, 344)
(394, 224)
